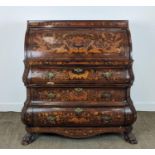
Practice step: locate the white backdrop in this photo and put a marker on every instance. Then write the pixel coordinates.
(12, 31)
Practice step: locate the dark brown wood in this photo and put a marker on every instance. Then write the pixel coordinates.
(75, 44)
(77, 116)
(79, 94)
(65, 74)
(78, 132)
(78, 76)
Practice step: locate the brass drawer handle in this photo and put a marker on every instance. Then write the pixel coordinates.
(78, 110)
(51, 95)
(106, 95)
(107, 74)
(78, 70)
(78, 89)
(50, 75)
(106, 119)
(51, 119)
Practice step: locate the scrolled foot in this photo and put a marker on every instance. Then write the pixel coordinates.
(29, 138)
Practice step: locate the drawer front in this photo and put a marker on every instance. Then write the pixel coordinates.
(79, 96)
(46, 117)
(75, 44)
(59, 75)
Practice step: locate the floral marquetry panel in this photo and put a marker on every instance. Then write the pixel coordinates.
(76, 74)
(78, 44)
(78, 94)
(70, 117)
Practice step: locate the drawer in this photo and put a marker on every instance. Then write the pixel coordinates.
(79, 96)
(78, 44)
(63, 75)
(46, 117)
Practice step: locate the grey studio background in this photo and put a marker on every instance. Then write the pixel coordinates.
(12, 32)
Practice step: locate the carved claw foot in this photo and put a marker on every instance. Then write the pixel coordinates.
(129, 136)
(29, 138)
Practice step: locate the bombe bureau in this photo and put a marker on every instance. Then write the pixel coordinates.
(78, 76)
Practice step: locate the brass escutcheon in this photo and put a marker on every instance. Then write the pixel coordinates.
(78, 70)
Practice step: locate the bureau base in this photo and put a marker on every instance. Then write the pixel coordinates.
(85, 132)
